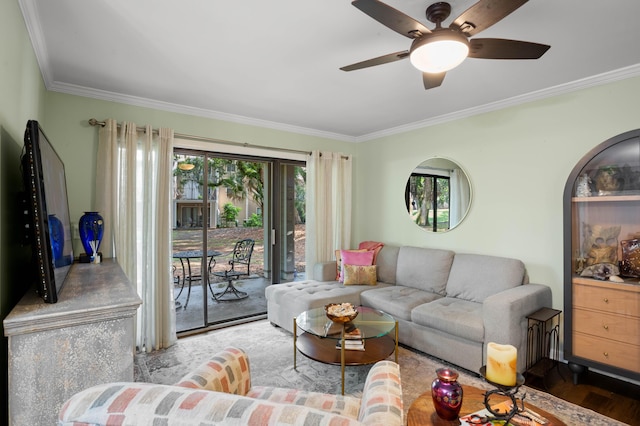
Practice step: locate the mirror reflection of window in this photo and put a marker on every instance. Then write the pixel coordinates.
(438, 195)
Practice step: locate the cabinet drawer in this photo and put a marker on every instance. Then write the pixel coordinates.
(607, 299)
(618, 354)
(609, 326)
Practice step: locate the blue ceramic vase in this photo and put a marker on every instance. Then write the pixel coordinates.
(91, 230)
(56, 235)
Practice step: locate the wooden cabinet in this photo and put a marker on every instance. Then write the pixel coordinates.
(601, 213)
(606, 320)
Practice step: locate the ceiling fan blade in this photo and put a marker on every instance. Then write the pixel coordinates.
(498, 48)
(484, 14)
(391, 57)
(431, 80)
(392, 18)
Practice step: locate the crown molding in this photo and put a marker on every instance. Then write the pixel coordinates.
(29, 9)
(592, 81)
(188, 110)
(597, 80)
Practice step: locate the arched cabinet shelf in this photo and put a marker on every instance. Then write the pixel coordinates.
(602, 259)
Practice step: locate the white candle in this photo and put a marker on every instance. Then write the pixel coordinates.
(501, 364)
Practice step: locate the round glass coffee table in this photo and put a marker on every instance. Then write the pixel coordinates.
(324, 340)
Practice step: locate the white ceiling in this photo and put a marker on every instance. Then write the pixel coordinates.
(276, 63)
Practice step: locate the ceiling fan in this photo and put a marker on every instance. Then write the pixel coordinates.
(436, 51)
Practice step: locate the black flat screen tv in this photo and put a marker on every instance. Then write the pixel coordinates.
(47, 212)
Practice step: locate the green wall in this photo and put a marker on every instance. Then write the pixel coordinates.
(518, 160)
(22, 95)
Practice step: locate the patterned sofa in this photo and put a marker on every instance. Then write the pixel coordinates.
(219, 392)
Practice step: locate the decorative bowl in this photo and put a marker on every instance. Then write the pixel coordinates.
(336, 310)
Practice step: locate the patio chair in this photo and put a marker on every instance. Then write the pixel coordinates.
(239, 266)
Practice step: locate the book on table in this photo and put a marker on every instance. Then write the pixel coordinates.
(353, 340)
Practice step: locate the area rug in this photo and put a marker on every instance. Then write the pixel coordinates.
(271, 353)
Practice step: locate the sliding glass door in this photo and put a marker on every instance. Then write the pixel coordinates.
(222, 205)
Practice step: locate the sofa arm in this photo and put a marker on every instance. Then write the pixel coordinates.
(382, 396)
(505, 316)
(324, 271)
(227, 371)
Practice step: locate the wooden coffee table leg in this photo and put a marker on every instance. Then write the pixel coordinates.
(396, 350)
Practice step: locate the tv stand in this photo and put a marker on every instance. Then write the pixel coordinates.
(56, 350)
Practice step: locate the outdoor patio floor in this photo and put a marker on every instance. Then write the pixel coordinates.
(221, 312)
(192, 317)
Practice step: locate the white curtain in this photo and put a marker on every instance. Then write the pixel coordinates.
(328, 218)
(133, 194)
(459, 196)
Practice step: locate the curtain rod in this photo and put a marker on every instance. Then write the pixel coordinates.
(94, 122)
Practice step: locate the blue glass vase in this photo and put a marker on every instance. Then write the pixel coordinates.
(56, 235)
(91, 230)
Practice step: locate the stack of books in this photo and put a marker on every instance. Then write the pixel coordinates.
(353, 340)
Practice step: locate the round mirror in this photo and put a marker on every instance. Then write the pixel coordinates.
(438, 195)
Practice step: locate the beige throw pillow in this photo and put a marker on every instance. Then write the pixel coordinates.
(356, 274)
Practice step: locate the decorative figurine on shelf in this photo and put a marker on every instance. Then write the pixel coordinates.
(580, 264)
(583, 186)
(600, 244)
(630, 263)
(608, 180)
(602, 252)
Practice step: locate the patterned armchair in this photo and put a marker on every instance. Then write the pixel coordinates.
(219, 392)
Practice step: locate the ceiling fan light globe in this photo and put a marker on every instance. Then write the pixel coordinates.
(439, 52)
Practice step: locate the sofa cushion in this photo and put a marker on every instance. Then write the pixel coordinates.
(423, 268)
(456, 317)
(397, 301)
(386, 264)
(475, 277)
(314, 294)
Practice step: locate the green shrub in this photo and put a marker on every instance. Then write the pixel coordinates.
(230, 214)
(254, 221)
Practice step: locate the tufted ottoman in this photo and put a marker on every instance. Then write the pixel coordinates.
(286, 301)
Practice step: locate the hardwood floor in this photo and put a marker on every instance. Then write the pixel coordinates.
(614, 398)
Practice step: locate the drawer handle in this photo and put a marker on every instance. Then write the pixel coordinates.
(606, 300)
(606, 354)
(606, 327)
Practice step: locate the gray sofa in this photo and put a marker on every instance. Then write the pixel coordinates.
(449, 305)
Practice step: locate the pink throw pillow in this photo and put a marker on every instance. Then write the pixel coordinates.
(358, 258)
(374, 246)
(339, 263)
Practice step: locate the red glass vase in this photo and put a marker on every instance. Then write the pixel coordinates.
(447, 394)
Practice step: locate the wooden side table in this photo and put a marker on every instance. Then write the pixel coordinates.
(423, 413)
